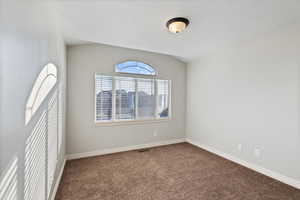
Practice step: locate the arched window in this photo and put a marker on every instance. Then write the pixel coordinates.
(41, 88)
(135, 67)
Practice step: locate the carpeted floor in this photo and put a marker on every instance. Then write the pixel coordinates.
(180, 171)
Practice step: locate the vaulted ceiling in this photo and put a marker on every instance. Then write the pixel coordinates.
(140, 24)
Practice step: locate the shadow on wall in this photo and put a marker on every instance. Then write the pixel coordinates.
(9, 181)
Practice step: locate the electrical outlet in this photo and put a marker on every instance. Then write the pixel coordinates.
(257, 152)
(240, 146)
(154, 133)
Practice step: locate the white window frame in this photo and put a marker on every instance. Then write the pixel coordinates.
(114, 121)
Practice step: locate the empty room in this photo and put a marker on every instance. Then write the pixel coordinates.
(149, 100)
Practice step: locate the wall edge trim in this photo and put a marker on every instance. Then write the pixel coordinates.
(58, 180)
(122, 149)
(267, 172)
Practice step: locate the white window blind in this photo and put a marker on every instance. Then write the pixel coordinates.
(125, 98)
(163, 98)
(146, 98)
(104, 97)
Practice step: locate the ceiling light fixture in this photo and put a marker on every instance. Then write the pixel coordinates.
(177, 24)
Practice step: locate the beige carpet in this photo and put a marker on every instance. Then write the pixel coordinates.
(173, 172)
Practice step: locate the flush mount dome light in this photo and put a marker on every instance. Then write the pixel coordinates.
(177, 24)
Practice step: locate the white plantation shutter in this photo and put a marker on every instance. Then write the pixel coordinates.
(125, 98)
(52, 135)
(162, 98)
(60, 118)
(104, 86)
(41, 153)
(145, 98)
(35, 161)
(41, 147)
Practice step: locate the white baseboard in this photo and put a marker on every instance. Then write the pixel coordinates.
(275, 175)
(58, 180)
(122, 149)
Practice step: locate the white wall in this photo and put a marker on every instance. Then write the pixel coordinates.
(83, 135)
(29, 40)
(249, 95)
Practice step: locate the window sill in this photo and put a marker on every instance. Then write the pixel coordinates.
(131, 122)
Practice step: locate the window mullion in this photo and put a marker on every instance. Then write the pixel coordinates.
(96, 107)
(156, 98)
(120, 98)
(101, 102)
(170, 98)
(136, 98)
(113, 98)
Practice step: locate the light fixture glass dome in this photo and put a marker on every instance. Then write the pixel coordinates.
(177, 24)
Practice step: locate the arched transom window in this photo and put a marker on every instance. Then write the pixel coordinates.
(135, 67)
(41, 88)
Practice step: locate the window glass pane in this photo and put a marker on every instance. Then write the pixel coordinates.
(125, 98)
(163, 98)
(134, 67)
(103, 97)
(146, 98)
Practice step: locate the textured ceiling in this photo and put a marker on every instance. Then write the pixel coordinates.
(215, 24)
